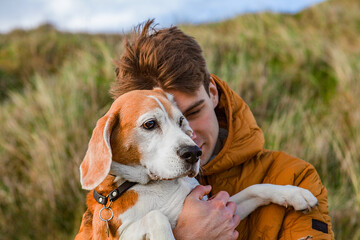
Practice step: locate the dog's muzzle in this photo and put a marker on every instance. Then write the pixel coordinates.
(191, 154)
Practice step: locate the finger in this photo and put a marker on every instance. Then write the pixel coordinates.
(235, 234)
(222, 196)
(236, 220)
(200, 191)
(231, 206)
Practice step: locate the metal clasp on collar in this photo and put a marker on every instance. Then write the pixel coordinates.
(107, 220)
(112, 196)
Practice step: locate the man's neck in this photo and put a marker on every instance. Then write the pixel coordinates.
(223, 133)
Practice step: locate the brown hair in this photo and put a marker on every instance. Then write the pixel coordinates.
(165, 58)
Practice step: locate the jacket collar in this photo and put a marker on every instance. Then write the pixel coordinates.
(245, 139)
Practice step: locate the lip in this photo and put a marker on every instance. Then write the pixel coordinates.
(153, 176)
(201, 147)
(191, 172)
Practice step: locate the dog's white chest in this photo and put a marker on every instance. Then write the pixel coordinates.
(166, 196)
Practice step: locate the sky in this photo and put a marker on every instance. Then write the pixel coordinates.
(118, 16)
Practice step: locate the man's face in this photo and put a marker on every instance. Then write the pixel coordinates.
(198, 108)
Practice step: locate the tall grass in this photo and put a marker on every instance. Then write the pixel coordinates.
(44, 133)
(299, 74)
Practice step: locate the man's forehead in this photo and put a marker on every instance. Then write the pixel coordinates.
(185, 101)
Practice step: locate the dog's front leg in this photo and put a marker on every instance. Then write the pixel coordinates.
(153, 226)
(262, 194)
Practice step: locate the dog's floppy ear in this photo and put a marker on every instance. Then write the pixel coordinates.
(96, 164)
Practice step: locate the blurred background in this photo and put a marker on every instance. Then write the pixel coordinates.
(296, 63)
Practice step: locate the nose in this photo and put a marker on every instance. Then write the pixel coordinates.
(190, 154)
(195, 139)
(193, 136)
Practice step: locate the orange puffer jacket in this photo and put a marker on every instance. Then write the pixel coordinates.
(243, 161)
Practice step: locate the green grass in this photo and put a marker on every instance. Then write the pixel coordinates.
(299, 74)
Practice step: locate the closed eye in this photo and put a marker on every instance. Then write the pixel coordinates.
(194, 108)
(193, 113)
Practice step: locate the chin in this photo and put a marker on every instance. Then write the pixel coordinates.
(203, 162)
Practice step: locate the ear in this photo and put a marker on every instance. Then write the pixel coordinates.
(96, 164)
(213, 92)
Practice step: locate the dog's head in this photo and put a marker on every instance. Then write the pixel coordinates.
(143, 137)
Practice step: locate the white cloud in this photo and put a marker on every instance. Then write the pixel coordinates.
(121, 15)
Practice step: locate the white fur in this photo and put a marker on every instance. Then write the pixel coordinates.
(159, 147)
(106, 136)
(167, 197)
(160, 104)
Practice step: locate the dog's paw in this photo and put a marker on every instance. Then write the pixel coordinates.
(299, 198)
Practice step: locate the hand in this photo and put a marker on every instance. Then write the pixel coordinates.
(212, 219)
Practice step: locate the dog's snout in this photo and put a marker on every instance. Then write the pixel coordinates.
(190, 154)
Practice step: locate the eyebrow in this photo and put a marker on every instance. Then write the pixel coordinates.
(193, 106)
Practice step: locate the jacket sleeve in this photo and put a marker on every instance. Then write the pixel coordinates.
(317, 223)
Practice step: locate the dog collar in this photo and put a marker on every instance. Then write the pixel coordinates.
(114, 194)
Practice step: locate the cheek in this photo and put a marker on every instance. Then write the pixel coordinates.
(195, 125)
(156, 145)
(149, 142)
(206, 118)
(200, 124)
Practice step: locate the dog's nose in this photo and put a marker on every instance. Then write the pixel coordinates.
(190, 154)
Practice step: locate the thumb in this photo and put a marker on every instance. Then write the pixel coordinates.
(200, 191)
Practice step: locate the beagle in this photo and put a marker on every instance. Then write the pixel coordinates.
(140, 166)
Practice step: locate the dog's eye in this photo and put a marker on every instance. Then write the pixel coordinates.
(181, 121)
(149, 125)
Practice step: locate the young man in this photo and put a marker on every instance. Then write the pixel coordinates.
(232, 144)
